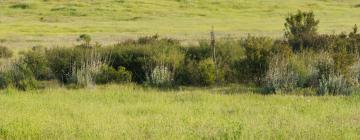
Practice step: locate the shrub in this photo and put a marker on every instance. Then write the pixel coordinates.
(109, 75)
(196, 73)
(142, 58)
(4, 81)
(85, 70)
(67, 64)
(281, 76)
(5, 52)
(206, 72)
(160, 76)
(36, 62)
(334, 85)
(17, 74)
(61, 61)
(253, 68)
(86, 39)
(300, 29)
(21, 6)
(198, 53)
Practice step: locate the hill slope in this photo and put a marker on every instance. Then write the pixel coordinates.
(60, 21)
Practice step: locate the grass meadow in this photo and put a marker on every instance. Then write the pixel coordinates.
(59, 22)
(135, 112)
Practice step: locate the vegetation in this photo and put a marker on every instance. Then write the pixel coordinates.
(59, 22)
(306, 62)
(128, 111)
(277, 66)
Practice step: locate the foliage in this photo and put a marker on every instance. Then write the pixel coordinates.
(334, 85)
(190, 113)
(300, 28)
(86, 39)
(5, 52)
(36, 62)
(110, 75)
(200, 73)
(253, 68)
(17, 74)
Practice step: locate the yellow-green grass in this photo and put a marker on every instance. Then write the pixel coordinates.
(132, 112)
(59, 22)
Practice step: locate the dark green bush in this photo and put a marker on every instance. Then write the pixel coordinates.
(300, 29)
(4, 81)
(21, 6)
(253, 68)
(61, 61)
(5, 52)
(196, 73)
(110, 75)
(142, 57)
(36, 62)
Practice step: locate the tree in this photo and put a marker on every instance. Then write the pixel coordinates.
(300, 29)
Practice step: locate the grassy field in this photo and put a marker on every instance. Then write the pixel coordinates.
(59, 22)
(132, 112)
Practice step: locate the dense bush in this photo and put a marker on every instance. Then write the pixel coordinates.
(36, 62)
(16, 74)
(300, 28)
(200, 73)
(143, 56)
(5, 52)
(110, 75)
(253, 68)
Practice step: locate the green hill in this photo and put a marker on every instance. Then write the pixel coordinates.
(60, 21)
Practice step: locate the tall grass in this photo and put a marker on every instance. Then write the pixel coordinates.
(133, 112)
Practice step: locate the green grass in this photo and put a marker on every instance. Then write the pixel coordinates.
(59, 22)
(131, 112)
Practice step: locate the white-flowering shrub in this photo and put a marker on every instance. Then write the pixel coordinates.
(281, 77)
(334, 85)
(160, 75)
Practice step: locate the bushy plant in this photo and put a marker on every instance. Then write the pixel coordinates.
(110, 75)
(253, 68)
(16, 74)
(5, 52)
(85, 39)
(4, 81)
(85, 70)
(141, 57)
(61, 61)
(334, 85)
(300, 29)
(36, 62)
(196, 73)
(281, 76)
(161, 76)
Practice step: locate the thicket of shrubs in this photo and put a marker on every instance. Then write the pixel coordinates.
(304, 59)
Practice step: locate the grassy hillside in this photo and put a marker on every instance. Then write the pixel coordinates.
(116, 112)
(26, 23)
